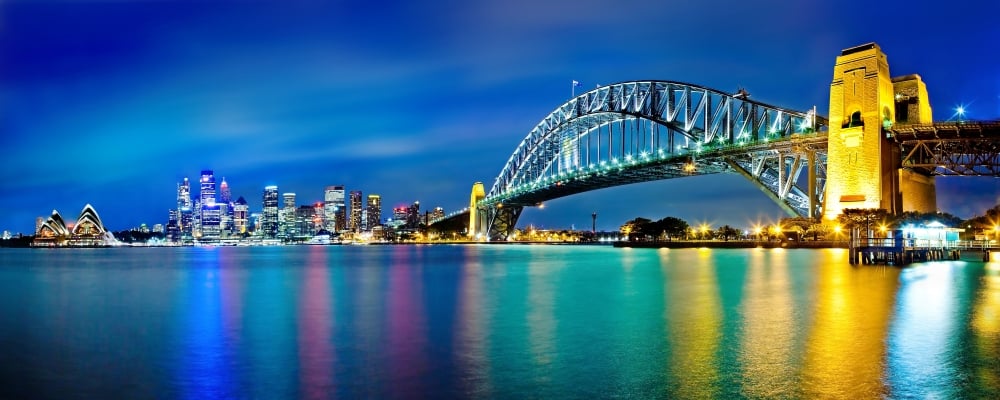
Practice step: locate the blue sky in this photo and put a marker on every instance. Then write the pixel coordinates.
(113, 102)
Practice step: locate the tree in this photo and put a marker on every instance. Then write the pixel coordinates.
(864, 219)
(919, 218)
(636, 228)
(817, 228)
(727, 232)
(671, 226)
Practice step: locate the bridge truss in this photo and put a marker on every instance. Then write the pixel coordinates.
(649, 130)
(950, 148)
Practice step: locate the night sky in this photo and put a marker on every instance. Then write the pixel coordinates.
(114, 102)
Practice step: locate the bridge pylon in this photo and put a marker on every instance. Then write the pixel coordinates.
(863, 164)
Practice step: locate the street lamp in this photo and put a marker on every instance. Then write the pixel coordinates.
(960, 112)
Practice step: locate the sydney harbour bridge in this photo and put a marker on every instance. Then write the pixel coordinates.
(879, 148)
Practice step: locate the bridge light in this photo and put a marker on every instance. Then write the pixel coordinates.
(960, 112)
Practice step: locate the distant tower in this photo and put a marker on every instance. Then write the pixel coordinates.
(184, 194)
(356, 209)
(413, 215)
(211, 213)
(207, 193)
(863, 166)
(333, 208)
(226, 207)
(185, 210)
(289, 224)
(374, 208)
(240, 215)
(269, 219)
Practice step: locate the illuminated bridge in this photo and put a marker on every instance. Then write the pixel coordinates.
(882, 155)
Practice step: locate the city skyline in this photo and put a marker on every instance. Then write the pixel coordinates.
(416, 103)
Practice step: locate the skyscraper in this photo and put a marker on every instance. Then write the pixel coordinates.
(240, 215)
(437, 214)
(225, 196)
(184, 195)
(226, 209)
(185, 217)
(374, 211)
(413, 215)
(207, 187)
(333, 208)
(356, 211)
(289, 227)
(211, 213)
(269, 221)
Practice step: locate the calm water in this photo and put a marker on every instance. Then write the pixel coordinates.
(492, 321)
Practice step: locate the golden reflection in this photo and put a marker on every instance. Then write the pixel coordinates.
(693, 318)
(846, 345)
(769, 368)
(986, 328)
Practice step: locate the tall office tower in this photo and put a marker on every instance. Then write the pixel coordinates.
(437, 214)
(290, 230)
(211, 213)
(207, 187)
(240, 211)
(413, 215)
(374, 211)
(225, 219)
(319, 217)
(269, 220)
(304, 220)
(184, 209)
(255, 223)
(226, 206)
(356, 210)
(211, 220)
(399, 216)
(225, 196)
(184, 195)
(364, 221)
(38, 225)
(196, 217)
(333, 205)
(340, 214)
(173, 227)
(186, 223)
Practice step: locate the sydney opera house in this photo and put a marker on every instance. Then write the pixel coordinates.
(88, 231)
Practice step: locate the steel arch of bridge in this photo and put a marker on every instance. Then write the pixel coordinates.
(648, 130)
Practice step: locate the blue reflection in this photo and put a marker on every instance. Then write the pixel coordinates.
(924, 335)
(202, 370)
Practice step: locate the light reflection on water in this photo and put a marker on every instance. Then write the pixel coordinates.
(492, 321)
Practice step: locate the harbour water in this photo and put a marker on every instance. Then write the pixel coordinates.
(492, 322)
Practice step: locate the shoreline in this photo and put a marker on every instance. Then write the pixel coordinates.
(741, 244)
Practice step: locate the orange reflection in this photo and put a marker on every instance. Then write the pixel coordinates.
(986, 328)
(846, 346)
(693, 318)
(769, 324)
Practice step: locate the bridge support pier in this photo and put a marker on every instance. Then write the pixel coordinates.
(496, 223)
